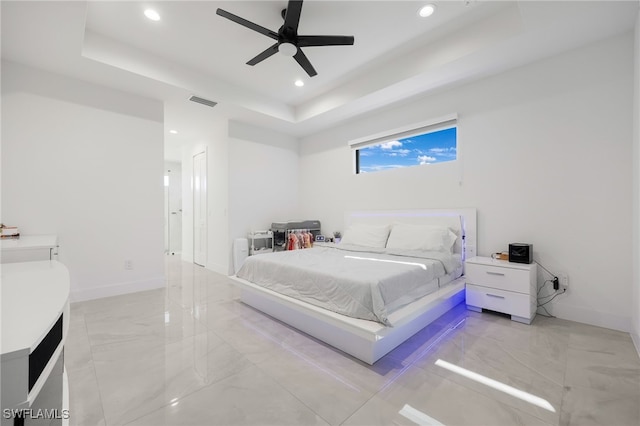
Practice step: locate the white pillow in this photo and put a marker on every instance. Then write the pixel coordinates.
(366, 235)
(421, 237)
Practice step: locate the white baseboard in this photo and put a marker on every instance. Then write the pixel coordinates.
(116, 289)
(221, 269)
(590, 316)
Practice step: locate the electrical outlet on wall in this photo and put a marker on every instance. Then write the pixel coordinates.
(128, 264)
(564, 280)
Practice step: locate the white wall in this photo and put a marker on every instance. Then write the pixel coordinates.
(263, 178)
(252, 175)
(635, 254)
(215, 144)
(173, 207)
(544, 157)
(85, 162)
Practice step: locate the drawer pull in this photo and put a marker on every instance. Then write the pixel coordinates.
(495, 273)
(495, 295)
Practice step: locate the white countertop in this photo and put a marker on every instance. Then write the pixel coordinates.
(497, 262)
(29, 242)
(33, 294)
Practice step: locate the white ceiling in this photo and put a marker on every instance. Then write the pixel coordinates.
(396, 55)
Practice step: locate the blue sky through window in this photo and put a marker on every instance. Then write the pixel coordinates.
(428, 148)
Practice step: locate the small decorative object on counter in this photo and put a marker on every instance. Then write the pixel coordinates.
(9, 231)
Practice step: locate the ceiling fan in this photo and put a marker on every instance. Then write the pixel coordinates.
(288, 42)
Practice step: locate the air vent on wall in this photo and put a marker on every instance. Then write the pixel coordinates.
(203, 101)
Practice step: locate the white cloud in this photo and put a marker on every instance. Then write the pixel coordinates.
(391, 145)
(442, 150)
(377, 168)
(399, 153)
(425, 159)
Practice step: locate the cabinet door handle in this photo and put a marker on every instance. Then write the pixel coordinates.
(495, 295)
(495, 273)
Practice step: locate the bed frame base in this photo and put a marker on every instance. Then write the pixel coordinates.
(364, 340)
(367, 340)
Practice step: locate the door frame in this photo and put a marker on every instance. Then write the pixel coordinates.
(203, 186)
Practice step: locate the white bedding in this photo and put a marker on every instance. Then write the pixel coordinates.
(351, 280)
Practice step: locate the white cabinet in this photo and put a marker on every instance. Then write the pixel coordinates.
(502, 286)
(29, 248)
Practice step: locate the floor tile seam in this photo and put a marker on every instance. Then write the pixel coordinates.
(159, 339)
(95, 376)
(531, 369)
(115, 342)
(557, 412)
(164, 343)
(506, 347)
(618, 395)
(188, 394)
(137, 296)
(134, 320)
(179, 373)
(133, 316)
(284, 388)
(359, 408)
(120, 412)
(630, 358)
(84, 324)
(442, 336)
(564, 378)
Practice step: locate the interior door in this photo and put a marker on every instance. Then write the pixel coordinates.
(200, 208)
(175, 210)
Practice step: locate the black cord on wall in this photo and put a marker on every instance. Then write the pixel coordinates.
(552, 296)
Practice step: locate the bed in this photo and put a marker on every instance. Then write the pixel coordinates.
(371, 292)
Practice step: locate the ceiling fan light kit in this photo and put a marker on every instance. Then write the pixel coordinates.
(288, 42)
(287, 49)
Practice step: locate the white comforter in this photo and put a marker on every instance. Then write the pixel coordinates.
(350, 280)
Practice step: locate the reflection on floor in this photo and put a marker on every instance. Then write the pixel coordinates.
(192, 354)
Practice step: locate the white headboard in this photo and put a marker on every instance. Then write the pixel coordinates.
(463, 219)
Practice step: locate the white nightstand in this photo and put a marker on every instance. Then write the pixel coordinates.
(502, 286)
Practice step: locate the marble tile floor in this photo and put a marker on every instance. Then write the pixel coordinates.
(192, 354)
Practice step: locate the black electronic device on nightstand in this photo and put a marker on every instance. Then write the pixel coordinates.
(520, 253)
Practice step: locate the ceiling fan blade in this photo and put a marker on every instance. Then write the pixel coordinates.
(264, 55)
(306, 41)
(292, 18)
(302, 59)
(248, 24)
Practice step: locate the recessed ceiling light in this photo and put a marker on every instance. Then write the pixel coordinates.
(152, 14)
(427, 10)
(299, 83)
(173, 132)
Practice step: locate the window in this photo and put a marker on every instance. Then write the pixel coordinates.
(427, 143)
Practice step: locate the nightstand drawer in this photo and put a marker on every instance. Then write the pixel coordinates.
(499, 300)
(509, 279)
